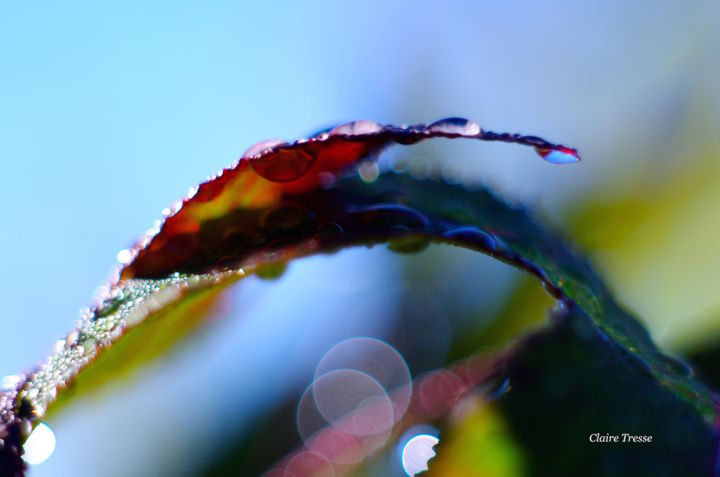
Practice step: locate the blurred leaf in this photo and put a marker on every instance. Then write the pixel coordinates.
(478, 445)
(523, 311)
(656, 243)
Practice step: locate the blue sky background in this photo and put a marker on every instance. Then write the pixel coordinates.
(110, 111)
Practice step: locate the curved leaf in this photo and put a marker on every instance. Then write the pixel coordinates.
(245, 219)
(283, 201)
(272, 170)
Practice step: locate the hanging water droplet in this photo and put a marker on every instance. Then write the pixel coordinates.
(455, 126)
(389, 215)
(472, 236)
(560, 155)
(329, 230)
(271, 271)
(408, 244)
(672, 364)
(356, 128)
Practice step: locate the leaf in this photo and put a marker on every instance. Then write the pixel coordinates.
(284, 201)
(273, 170)
(569, 381)
(247, 219)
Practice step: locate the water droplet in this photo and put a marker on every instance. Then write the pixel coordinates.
(40, 445)
(408, 244)
(90, 347)
(191, 193)
(284, 165)
(329, 230)
(263, 146)
(271, 271)
(10, 382)
(455, 126)
(124, 256)
(357, 128)
(472, 236)
(502, 389)
(389, 215)
(673, 364)
(560, 155)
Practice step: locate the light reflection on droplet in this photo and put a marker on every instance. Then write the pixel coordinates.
(557, 157)
(40, 445)
(191, 192)
(9, 382)
(560, 155)
(417, 452)
(459, 126)
(262, 147)
(502, 390)
(124, 256)
(356, 128)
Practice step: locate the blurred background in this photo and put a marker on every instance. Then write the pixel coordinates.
(110, 113)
